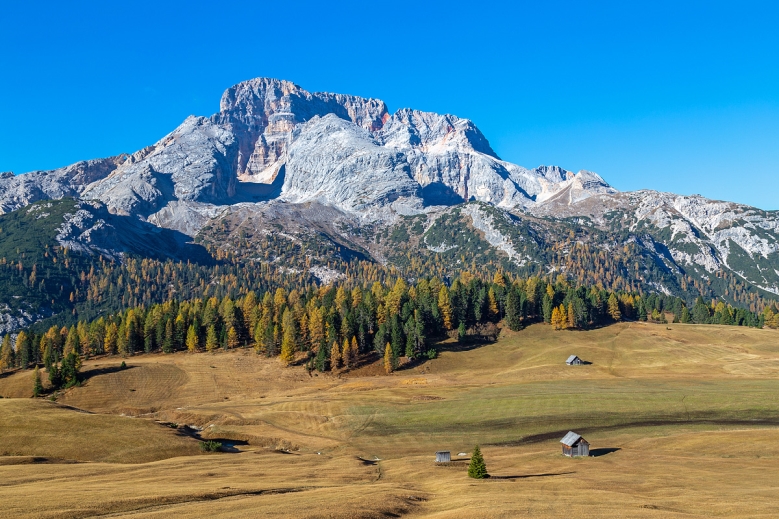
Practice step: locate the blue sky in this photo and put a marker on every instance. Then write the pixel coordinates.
(675, 96)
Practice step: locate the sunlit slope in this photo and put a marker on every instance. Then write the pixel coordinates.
(45, 429)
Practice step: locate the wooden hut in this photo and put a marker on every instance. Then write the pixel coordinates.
(443, 457)
(575, 445)
(573, 360)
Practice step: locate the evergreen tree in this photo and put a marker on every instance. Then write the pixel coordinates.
(69, 371)
(547, 306)
(642, 312)
(389, 361)
(212, 341)
(37, 385)
(513, 310)
(23, 350)
(477, 468)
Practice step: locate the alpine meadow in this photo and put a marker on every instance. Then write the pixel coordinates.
(307, 306)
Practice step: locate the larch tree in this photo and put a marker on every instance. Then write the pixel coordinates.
(192, 341)
(355, 349)
(232, 338)
(335, 356)
(288, 338)
(346, 354)
(613, 305)
(6, 354)
(445, 307)
(563, 316)
(492, 301)
(555, 320)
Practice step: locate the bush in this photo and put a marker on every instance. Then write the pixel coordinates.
(210, 446)
(431, 353)
(123, 365)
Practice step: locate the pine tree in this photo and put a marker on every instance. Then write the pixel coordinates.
(335, 356)
(192, 341)
(23, 353)
(37, 385)
(686, 317)
(477, 468)
(571, 316)
(389, 364)
(212, 341)
(513, 310)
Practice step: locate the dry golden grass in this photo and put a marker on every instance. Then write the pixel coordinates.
(47, 429)
(683, 415)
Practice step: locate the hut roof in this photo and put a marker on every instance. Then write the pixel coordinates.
(570, 439)
(571, 359)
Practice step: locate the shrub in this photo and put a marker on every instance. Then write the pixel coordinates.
(210, 446)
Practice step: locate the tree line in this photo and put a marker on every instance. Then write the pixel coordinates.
(330, 327)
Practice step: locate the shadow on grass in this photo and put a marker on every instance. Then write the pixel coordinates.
(468, 344)
(94, 372)
(595, 453)
(526, 476)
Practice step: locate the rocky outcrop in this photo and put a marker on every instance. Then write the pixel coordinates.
(21, 190)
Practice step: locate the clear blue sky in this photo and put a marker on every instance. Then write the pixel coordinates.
(677, 96)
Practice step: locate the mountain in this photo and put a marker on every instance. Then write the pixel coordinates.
(342, 178)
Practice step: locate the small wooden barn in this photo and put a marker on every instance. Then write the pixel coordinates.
(575, 445)
(573, 360)
(443, 457)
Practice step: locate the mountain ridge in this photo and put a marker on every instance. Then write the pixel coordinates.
(343, 171)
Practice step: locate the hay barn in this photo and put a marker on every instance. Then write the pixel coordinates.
(573, 360)
(443, 457)
(574, 445)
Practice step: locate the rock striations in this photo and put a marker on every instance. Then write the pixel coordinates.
(274, 146)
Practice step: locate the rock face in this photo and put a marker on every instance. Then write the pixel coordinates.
(273, 145)
(22, 190)
(272, 139)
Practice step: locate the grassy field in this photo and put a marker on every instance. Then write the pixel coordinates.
(682, 419)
